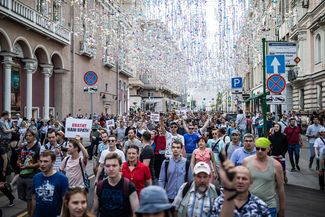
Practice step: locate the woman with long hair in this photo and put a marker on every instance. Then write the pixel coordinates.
(75, 203)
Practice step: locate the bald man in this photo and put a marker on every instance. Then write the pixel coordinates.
(267, 177)
(244, 204)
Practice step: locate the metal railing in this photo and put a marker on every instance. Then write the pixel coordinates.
(30, 17)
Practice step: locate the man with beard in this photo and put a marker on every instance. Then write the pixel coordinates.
(293, 135)
(196, 198)
(244, 204)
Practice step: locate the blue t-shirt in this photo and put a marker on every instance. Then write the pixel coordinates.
(190, 142)
(49, 192)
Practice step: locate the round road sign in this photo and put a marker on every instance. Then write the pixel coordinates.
(90, 78)
(276, 83)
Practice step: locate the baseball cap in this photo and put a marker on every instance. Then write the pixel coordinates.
(322, 129)
(262, 142)
(201, 167)
(235, 132)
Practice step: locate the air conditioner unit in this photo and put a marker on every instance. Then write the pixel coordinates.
(305, 3)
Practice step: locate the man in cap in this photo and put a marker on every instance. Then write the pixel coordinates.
(293, 135)
(267, 177)
(196, 198)
(234, 144)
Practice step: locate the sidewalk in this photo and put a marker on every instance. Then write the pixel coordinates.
(305, 177)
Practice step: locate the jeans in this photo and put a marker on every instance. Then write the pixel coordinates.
(273, 212)
(242, 133)
(294, 148)
(312, 153)
(260, 132)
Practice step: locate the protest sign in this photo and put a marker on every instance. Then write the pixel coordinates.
(110, 123)
(74, 127)
(155, 117)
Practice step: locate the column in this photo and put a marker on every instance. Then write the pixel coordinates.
(47, 71)
(30, 67)
(7, 63)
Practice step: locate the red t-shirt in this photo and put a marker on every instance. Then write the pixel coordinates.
(138, 176)
(293, 134)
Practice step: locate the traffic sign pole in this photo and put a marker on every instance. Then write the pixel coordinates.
(264, 106)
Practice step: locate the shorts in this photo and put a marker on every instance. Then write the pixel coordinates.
(25, 188)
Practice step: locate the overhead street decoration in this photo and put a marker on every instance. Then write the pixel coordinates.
(275, 64)
(275, 84)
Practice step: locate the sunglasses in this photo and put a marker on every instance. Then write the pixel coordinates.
(248, 140)
(259, 148)
(111, 140)
(191, 128)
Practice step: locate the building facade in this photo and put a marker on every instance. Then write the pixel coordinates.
(44, 58)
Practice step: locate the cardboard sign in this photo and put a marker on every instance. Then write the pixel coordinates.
(81, 127)
(110, 123)
(155, 117)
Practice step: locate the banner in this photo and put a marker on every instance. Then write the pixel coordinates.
(110, 123)
(81, 127)
(155, 117)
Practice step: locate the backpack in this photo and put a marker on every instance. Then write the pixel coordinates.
(126, 183)
(187, 165)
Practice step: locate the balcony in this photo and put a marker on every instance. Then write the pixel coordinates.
(86, 49)
(127, 71)
(109, 61)
(34, 20)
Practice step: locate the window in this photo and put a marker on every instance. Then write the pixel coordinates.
(150, 94)
(106, 87)
(318, 49)
(319, 96)
(41, 6)
(56, 11)
(301, 98)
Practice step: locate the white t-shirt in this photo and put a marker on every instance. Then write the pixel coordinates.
(319, 144)
(105, 152)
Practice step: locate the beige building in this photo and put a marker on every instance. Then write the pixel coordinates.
(44, 59)
(306, 26)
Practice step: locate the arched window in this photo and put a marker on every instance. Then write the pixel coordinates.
(318, 48)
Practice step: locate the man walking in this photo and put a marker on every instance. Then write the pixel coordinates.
(234, 144)
(241, 123)
(267, 177)
(312, 134)
(196, 198)
(293, 135)
(247, 150)
(53, 146)
(28, 164)
(175, 171)
(244, 204)
(115, 196)
(49, 187)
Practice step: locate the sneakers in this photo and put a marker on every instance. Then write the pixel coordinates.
(298, 168)
(293, 169)
(310, 165)
(11, 203)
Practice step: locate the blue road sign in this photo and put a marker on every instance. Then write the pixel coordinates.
(90, 78)
(237, 83)
(276, 83)
(275, 64)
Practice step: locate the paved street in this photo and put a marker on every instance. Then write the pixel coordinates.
(302, 185)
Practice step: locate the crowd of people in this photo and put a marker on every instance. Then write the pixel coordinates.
(188, 164)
